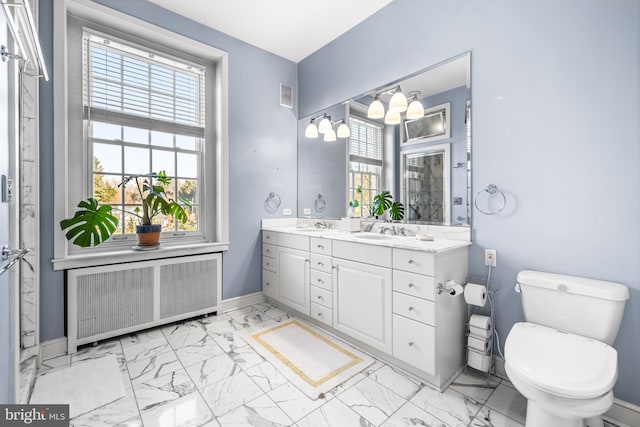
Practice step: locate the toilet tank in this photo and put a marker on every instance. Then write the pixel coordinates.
(587, 307)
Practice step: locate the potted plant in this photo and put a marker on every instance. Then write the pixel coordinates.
(92, 223)
(354, 203)
(383, 202)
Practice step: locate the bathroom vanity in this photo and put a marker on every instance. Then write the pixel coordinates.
(376, 290)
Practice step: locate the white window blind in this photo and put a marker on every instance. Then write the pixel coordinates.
(365, 142)
(124, 85)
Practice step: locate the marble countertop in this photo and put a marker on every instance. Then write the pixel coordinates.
(401, 242)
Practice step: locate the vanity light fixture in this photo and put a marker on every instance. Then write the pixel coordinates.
(325, 127)
(415, 109)
(398, 101)
(376, 109)
(392, 118)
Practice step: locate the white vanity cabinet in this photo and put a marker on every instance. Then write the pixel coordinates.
(321, 290)
(292, 254)
(362, 292)
(269, 263)
(428, 327)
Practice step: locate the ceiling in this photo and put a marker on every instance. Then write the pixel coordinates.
(292, 29)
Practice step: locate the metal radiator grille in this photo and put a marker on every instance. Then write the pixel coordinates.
(114, 300)
(187, 287)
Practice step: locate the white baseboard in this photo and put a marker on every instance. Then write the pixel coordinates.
(623, 414)
(53, 348)
(243, 301)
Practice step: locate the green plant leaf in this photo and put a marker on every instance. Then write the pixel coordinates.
(91, 224)
(176, 210)
(396, 211)
(381, 202)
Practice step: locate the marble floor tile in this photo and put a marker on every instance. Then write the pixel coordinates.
(181, 327)
(293, 402)
(187, 337)
(372, 400)
(271, 310)
(474, 385)
(146, 349)
(163, 390)
(153, 367)
(453, 408)
(204, 321)
(53, 364)
(132, 422)
(111, 414)
(230, 393)
(198, 351)
(283, 317)
(224, 326)
(140, 337)
(245, 357)
(410, 415)
(259, 412)
(210, 371)
(266, 376)
(89, 351)
(397, 381)
(254, 327)
(490, 418)
(229, 341)
(248, 315)
(332, 414)
(187, 411)
(508, 401)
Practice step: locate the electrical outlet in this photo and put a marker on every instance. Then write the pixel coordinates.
(286, 212)
(490, 257)
(306, 211)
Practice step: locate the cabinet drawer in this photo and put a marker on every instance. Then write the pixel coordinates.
(269, 283)
(293, 241)
(321, 279)
(268, 236)
(321, 262)
(414, 308)
(414, 284)
(323, 314)
(268, 250)
(414, 261)
(321, 246)
(269, 263)
(361, 252)
(322, 297)
(415, 343)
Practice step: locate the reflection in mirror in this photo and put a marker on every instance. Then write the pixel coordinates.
(423, 160)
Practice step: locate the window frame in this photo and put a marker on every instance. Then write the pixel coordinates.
(68, 190)
(363, 160)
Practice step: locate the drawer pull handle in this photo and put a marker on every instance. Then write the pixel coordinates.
(320, 281)
(411, 344)
(306, 260)
(320, 298)
(267, 283)
(321, 264)
(320, 247)
(319, 314)
(411, 285)
(411, 308)
(411, 261)
(268, 237)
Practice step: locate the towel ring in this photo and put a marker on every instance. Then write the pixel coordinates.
(490, 189)
(272, 202)
(319, 203)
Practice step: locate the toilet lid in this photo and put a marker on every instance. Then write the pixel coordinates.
(561, 363)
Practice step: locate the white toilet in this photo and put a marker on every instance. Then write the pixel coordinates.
(560, 359)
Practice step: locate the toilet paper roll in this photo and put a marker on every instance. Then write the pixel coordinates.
(483, 345)
(479, 361)
(481, 333)
(456, 290)
(480, 322)
(475, 294)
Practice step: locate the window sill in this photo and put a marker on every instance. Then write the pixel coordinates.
(129, 255)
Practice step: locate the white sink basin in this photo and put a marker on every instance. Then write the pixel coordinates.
(373, 236)
(312, 230)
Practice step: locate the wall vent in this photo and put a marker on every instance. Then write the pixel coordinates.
(286, 96)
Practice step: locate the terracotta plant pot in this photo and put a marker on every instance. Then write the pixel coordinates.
(148, 235)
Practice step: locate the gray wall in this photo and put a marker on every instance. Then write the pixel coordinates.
(262, 153)
(556, 101)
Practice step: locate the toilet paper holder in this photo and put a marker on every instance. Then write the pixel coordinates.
(449, 287)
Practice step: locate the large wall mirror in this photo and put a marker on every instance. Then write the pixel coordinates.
(422, 156)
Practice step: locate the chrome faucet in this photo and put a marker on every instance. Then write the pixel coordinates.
(383, 230)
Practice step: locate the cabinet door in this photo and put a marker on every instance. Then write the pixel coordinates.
(269, 284)
(293, 279)
(362, 302)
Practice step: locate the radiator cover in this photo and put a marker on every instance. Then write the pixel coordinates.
(112, 300)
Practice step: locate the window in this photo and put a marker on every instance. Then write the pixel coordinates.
(365, 162)
(143, 113)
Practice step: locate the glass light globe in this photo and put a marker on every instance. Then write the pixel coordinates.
(398, 102)
(311, 131)
(324, 125)
(392, 118)
(415, 110)
(344, 131)
(330, 135)
(376, 109)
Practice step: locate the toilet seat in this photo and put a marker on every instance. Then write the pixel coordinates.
(560, 363)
